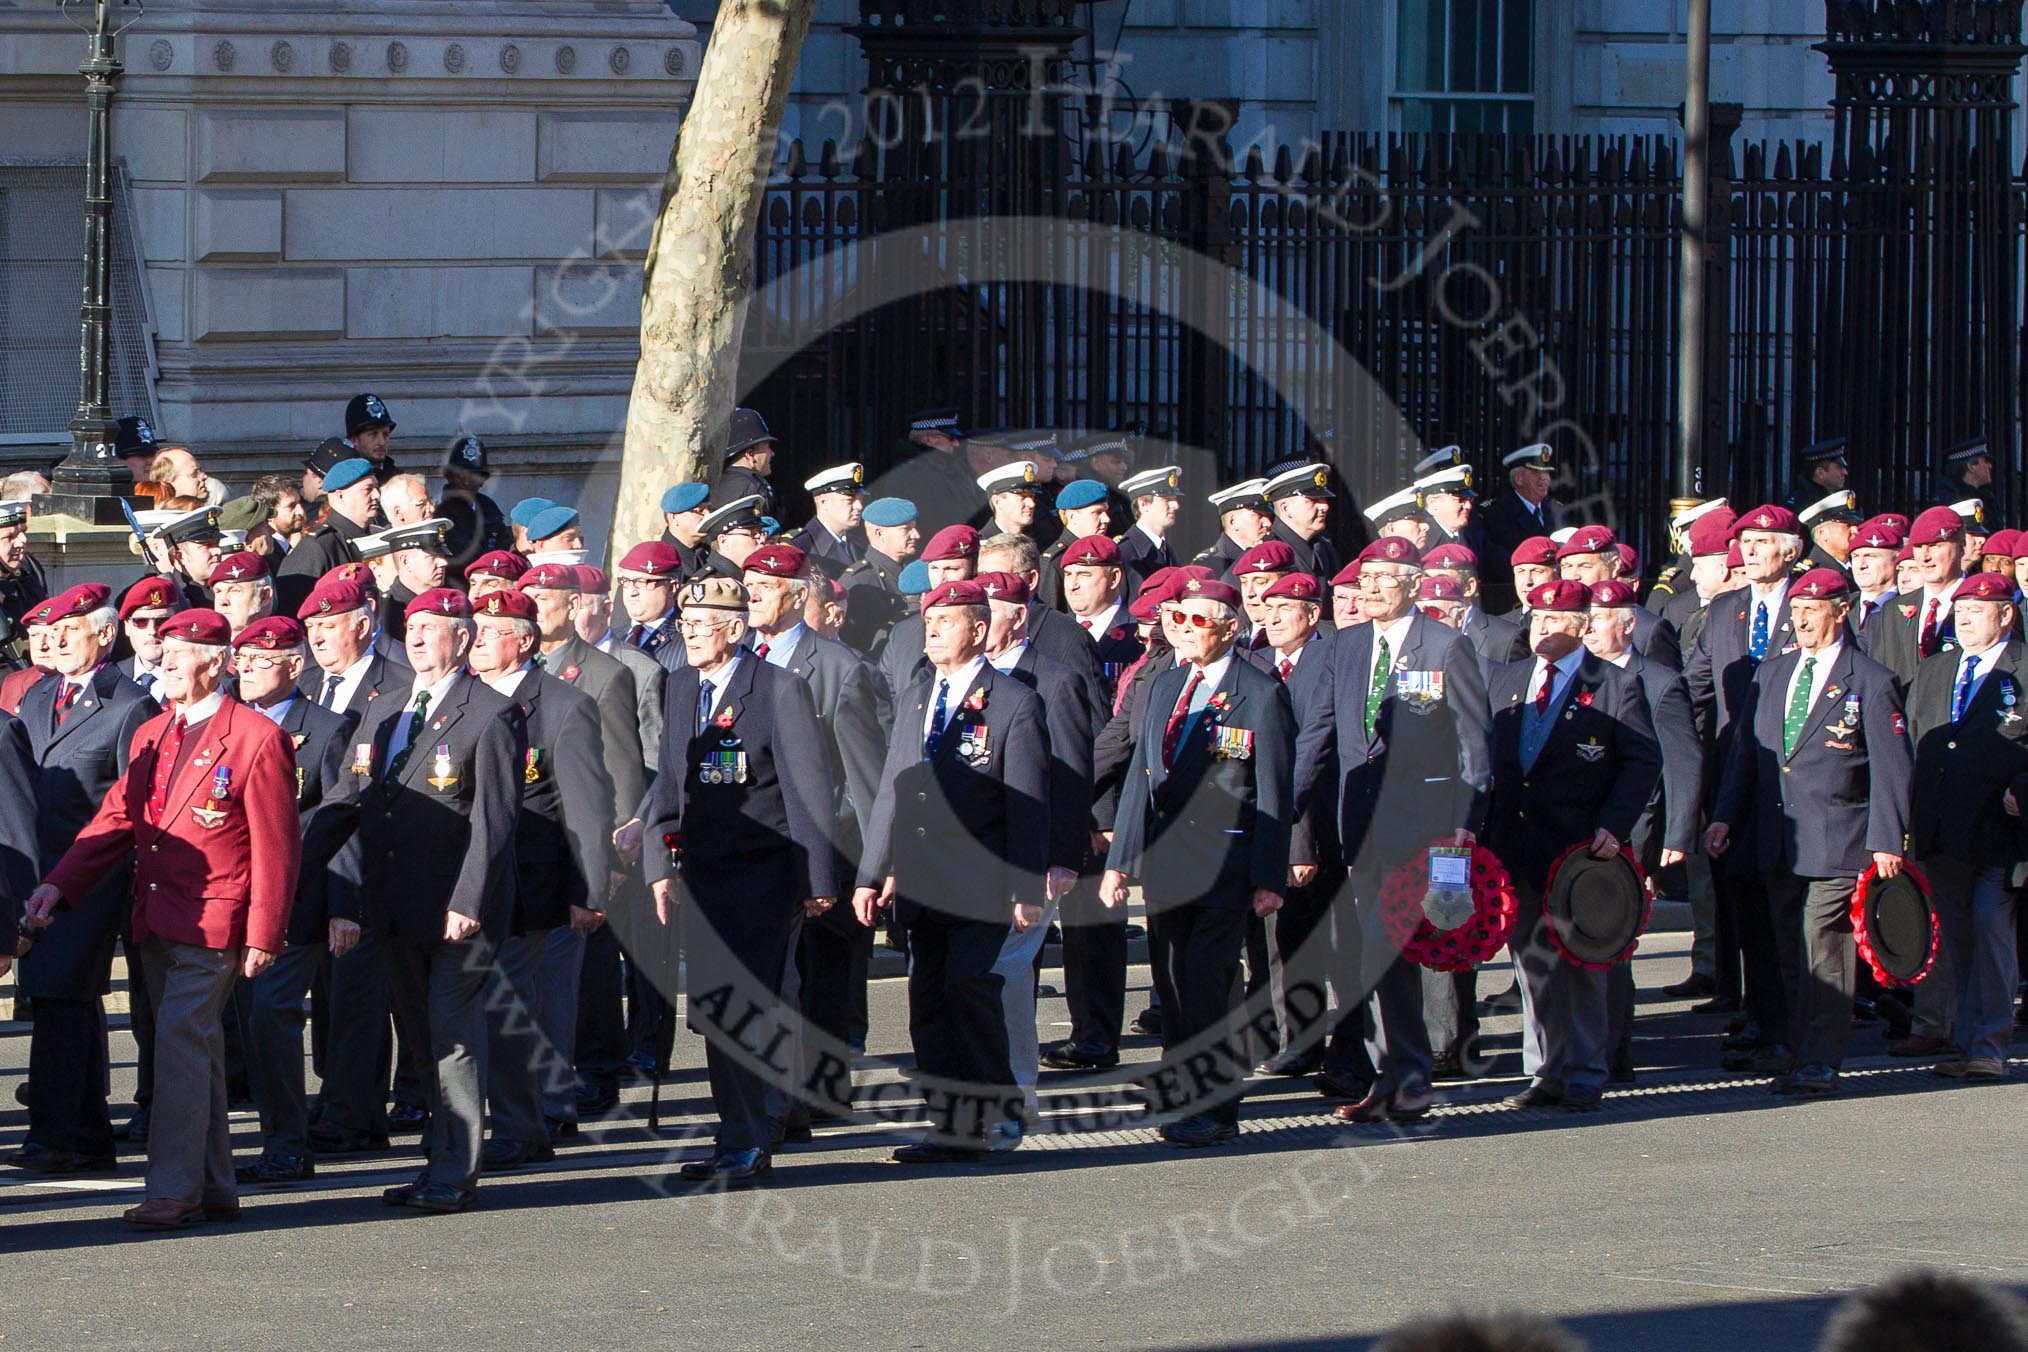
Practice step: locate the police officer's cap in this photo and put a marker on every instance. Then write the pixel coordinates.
(364, 413)
(133, 436)
(468, 454)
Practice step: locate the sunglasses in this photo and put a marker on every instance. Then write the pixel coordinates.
(1188, 619)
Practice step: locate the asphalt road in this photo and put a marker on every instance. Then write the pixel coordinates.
(1694, 1211)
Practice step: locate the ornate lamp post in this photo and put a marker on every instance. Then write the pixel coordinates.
(91, 479)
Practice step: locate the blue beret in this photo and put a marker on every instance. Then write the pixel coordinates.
(915, 578)
(890, 512)
(686, 497)
(528, 509)
(550, 520)
(1080, 493)
(771, 526)
(346, 473)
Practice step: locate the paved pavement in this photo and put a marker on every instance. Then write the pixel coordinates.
(1694, 1211)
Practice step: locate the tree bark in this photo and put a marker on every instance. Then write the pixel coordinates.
(699, 269)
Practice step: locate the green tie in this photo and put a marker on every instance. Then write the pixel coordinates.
(1799, 707)
(417, 722)
(1378, 690)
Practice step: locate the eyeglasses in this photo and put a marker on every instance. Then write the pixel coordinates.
(146, 621)
(1189, 619)
(256, 657)
(634, 585)
(700, 626)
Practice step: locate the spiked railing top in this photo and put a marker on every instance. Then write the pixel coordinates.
(1948, 23)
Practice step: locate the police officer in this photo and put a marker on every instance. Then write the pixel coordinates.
(1968, 473)
(369, 428)
(749, 460)
(873, 601)
(1821, 469)
(477, 526)
(933, 471)
(1819, 767)
(838, 495)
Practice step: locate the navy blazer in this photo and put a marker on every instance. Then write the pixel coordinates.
(325, 887)
(1843, 795)
(1678, 804)
(562, 840)
(1721, 669)
(965, 833)
(1598, 767)
(1214, 827)
(79, 764)
(1313, 837)
(1964, 768)
(1068, 708)
(1424, 772)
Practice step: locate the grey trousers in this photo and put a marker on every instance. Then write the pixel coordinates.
(1703, 916)
(1813, 934)
(442, 986)
(275, 1048)
(1398, 1041)
(1563, 1006)
(1016, 969)
(520, 1059)
(189, 1132)
(557, 980)
(1975, 914)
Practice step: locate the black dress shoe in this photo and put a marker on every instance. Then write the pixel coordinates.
(1290, 1064)
(1747, 1035)
(399, 1194)
(1693, 987)
(730, 1166)
(440, 1198)
(560, 1130)
(1079, 1056)
(21, 1094)
(134, 1131)
(38, 1159)
(1580, 1100)
(404, 1118)
(1505, 1002)
(1620, 1075)
(1148, 1021)
(1717, 1004)
(795, 1131)
(930, 1152)
(275, 1170)
(594, 1099)
(1197, 1131)
(1333, 1085)
(498, 1156)
(1536, 1096)
(327, 1140)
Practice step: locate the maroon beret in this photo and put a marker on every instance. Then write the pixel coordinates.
(1390, 549)
(446, 601)
(515, 605)
(244, 566)
(1439, 588)
(1269, 556)
(1157, 581)
(354, 571)
(1563, 596)
(1880, 532)
(1092, 551)
(593, 579)
(333, 598)
(150, 593)
(1769, 517)
(1004, 587)
(651, 558)
(1348, 576)
(779, 561)
(1935, 526)
(1451, 556)
(556, 576)
(1712, 533)
(506, 563)
(1630, 559)
(82, 599)
(1536, 549)
(1613, 592)
(1299, 586)
(199, 626)
(1900, 522)
(2005, 543)
(1824, 584)
(273, 634)
(1588, 540)
(1205, 589)
(1985, 587)
(952, 542)
(1733, 557)
(957, 592)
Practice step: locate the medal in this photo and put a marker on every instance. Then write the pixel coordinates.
(299, 781)
(362, 759)
(442, 777)
(221, 783)
(532, 767)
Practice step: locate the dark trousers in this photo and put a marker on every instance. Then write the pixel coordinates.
(601, 1013)
(1345, 1056)
(1766, 994)
(1299, 964)
(1813, 931)
(1094, 967)
(67, 1077)
(275, 1022)
(955, 1019)
(519, 1059)
(141, 1021)
(352, 1100)
(1194, 952)
(442, 987)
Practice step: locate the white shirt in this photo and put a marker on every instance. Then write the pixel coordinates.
(1293, 656)
(1007, 661)
(1943, 600)
(507, 682)
(718, 680)
(1566, 670)
(1767, 594)
(782, 646)
(1819, 675)
(1981, 665)
(349, 681)
(1143, 529)
(1214, 676)
(1396, 634)
(1100, 623)
(961, 684)
(399, 740)
(605, 645)
(201, 710)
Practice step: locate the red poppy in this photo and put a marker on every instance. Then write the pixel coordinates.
(1584, 698)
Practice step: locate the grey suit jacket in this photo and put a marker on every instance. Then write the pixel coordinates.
(611, 684)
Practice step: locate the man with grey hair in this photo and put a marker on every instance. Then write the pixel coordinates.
(405, 501)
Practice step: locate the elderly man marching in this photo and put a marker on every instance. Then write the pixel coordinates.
(1574, 764)
(1817, 787)
(207, 808)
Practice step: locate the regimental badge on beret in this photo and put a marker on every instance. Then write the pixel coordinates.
(492, 602)
(1193, 585)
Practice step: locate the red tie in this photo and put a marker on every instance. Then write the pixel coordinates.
(166, 752)
(1286, 667)
(760, 650)
(64, 699)
(1173, 734)
(1542, 695)
(634, 635)
(1928, 642)
(1085, 623)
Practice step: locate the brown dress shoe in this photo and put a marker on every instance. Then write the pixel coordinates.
(1915, 1044)
(162, 1213)
(1373, 1108)
(222, 1211)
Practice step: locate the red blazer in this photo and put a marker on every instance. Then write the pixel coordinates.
(224, 885)
(14, 687)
